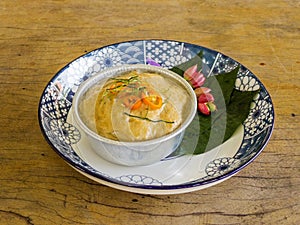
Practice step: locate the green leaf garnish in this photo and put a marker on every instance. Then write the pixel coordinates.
(232, 109)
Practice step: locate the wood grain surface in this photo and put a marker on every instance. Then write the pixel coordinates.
(38, 38)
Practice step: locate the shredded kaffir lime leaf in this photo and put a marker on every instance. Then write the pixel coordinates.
(148, 119)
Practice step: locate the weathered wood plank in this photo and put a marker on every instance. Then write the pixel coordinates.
(38, 38)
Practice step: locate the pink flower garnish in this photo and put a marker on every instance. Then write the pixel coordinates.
(206, 98)
(194, 77)
(202, 90)
(206, 108)
(203, 108)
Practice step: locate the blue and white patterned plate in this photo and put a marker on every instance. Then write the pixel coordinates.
(175, 175)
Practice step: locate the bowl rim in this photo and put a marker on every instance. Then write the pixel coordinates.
(117, 70)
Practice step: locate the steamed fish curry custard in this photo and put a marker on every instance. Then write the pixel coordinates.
(139, 106)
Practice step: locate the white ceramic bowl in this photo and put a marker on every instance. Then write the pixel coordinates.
(140, 152)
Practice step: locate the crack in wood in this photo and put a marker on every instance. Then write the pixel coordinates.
(27, 219)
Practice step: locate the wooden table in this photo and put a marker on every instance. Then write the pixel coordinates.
(37, 38)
